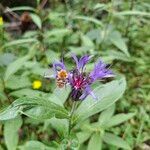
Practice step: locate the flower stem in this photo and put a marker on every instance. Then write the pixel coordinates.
(71, 115)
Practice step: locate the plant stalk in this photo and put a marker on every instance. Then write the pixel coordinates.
(71, 115)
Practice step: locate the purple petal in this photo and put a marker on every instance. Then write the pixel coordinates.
(70, 78)
(87, 91)
(82, 61)
(76, 60)
(100, 71)
(58, 66)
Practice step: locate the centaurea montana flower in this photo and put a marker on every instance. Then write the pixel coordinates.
(78, 79)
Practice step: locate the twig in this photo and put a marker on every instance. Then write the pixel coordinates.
(43, 3)
(2, 8)
(12, 13)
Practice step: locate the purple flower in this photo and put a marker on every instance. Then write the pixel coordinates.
(79, 80)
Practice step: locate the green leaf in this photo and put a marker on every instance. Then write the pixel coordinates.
(116, 55)
(95, 34)
(133, 12)
(95, 142)
(15, 66)
(57, 32)
(6, 58)
(61, 94)
(11, 128)
(116, 38)
(118, 119)
(16, 82)
(89, 19)
(23, 8)
(27, 92)
(83, 136)
(38, 113)
(86, 41)
(37, 20)
(112, 139)
(58, 97)
(19, 42)
(61, 126)
(78, 50)
(51, 56)
(10, 113)
(35, 145)
(25, 105)
(106, 95)
(100, 6)
(51, 109)
(106, 114)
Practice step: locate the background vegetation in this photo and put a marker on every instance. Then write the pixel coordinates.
(34, 35)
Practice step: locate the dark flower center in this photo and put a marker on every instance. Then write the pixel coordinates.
(78, 82)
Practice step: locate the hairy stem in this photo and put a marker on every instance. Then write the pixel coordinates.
(71, 115)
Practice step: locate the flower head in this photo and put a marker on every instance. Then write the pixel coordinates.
(80, 80)
(36, 84)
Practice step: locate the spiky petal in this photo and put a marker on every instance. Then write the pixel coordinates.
(80, 63)
(100, 71)
(57, 66)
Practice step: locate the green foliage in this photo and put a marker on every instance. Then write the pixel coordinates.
(44, 109)
(89, 19)
(14, 67)
(95, 142)
(106, 115)
(117, 119)
(98, 133)
(106, 96)
(11, 130)
(40, 119)
(116, 141)
(19, 42)
(17, 82)
(117, 40)
(36, 19)
(35, 145)
(23, 8)
(61, 126)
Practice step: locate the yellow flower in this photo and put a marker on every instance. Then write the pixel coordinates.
(1, 21)
(36, 84)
